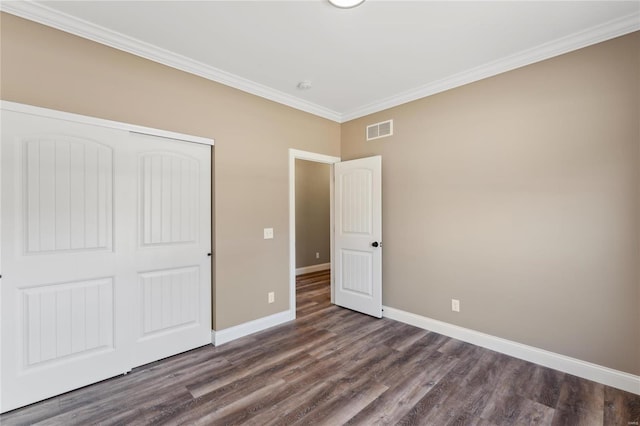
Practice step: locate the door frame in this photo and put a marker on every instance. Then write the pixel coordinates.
(295, 154)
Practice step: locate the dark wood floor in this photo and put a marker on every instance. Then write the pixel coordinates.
(333, 366)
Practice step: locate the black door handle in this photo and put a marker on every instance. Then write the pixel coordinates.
(374, 244)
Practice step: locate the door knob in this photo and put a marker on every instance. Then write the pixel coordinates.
(375, 244)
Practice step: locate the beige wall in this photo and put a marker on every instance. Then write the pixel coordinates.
(312, 213)
(519, 195)
(48, 68)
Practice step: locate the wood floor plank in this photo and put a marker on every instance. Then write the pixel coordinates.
(216, 417)
(577, 417)
(399, 399)
(535, 413)
(315, 376)
(544, 386)
(475, 393)
(582, 400)
(418, 357)
(301, 398)
(404, 337)
(296, 381)
(325, 318)
(504, 410)
(621, 408)
(367, 330)
(347, 404)
(507, 410)
(334, 366)
(141, 413)
(430, 405)
(362, 361)
(274, 364)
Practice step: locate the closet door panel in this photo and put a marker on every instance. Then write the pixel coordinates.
(63, 297)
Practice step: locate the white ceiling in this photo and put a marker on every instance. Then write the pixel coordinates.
(359, 60)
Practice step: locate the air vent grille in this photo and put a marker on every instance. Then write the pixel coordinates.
(380, 130)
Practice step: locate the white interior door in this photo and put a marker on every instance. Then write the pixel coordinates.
(172, 245)
(104, 249)
(358, 235)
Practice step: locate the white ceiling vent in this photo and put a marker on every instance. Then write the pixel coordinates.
(380, 130)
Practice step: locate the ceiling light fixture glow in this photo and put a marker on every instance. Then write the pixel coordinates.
(346, 4)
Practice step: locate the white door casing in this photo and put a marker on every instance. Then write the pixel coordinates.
(84, 289)
(358, 235)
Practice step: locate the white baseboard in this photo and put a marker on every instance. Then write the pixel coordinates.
(597, 373)
(232, 333)
(313, 268)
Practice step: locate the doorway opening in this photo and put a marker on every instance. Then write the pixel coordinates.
(293, 249)
(313, 255)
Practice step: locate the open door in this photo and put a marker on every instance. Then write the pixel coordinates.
(358, 235)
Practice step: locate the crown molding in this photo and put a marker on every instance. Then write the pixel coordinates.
(597, 34)
(50, 17)
(44, 15)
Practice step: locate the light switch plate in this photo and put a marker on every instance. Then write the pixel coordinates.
(268, 233)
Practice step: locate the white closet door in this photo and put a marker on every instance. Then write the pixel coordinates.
(172, 245)
(105, 236)
(63, 292)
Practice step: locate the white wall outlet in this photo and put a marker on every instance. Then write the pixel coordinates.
(317, 255)
(455, 305)
(268, 233)
(271, 297)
